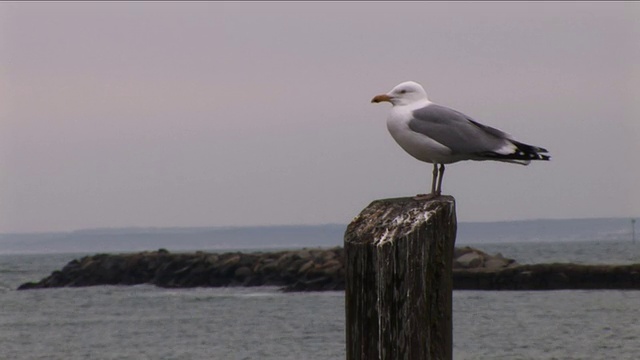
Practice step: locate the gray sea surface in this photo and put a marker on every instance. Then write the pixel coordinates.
(145, 322)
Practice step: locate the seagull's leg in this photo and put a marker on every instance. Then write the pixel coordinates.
(439, 190)
(433, 193)
(433, 179)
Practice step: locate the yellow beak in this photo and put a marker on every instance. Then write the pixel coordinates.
(381, 98)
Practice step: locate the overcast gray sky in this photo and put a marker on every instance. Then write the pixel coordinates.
(202, 114)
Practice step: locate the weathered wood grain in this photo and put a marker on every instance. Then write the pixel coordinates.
(398, 260)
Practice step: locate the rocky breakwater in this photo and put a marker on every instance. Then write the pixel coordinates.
(296, 270)
(306, 269)
(550, 277)
(319, 270)
(475, 270)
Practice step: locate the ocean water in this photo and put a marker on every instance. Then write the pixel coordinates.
(145, 322)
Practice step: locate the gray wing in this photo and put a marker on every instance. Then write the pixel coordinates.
(457, 131)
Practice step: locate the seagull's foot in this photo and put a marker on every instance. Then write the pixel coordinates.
(429, 196)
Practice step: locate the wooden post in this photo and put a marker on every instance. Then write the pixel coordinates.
(398, 258)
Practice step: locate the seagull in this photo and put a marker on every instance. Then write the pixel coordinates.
(439, 135)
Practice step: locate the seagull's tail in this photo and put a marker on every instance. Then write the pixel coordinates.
(521, 154)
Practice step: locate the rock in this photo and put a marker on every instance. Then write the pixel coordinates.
(306, 267)
(304, 254)
(496, 263)
(318, 284)
(242, 273)
(29, 285)
(330, 264)
(212, 259)
(230, 260)
(469, 260)
(286, 258)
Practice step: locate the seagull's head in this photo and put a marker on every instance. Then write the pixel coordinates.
(407, 93)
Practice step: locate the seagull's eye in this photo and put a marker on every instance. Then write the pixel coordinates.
(403, 91)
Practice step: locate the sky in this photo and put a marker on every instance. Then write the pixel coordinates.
(118, 114)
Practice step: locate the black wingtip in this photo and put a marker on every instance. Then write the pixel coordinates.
(530, 152)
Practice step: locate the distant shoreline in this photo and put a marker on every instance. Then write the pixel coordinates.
(185, 239)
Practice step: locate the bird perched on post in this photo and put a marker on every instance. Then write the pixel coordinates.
(439, 135)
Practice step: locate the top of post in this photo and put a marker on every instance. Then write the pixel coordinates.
(387, 219)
